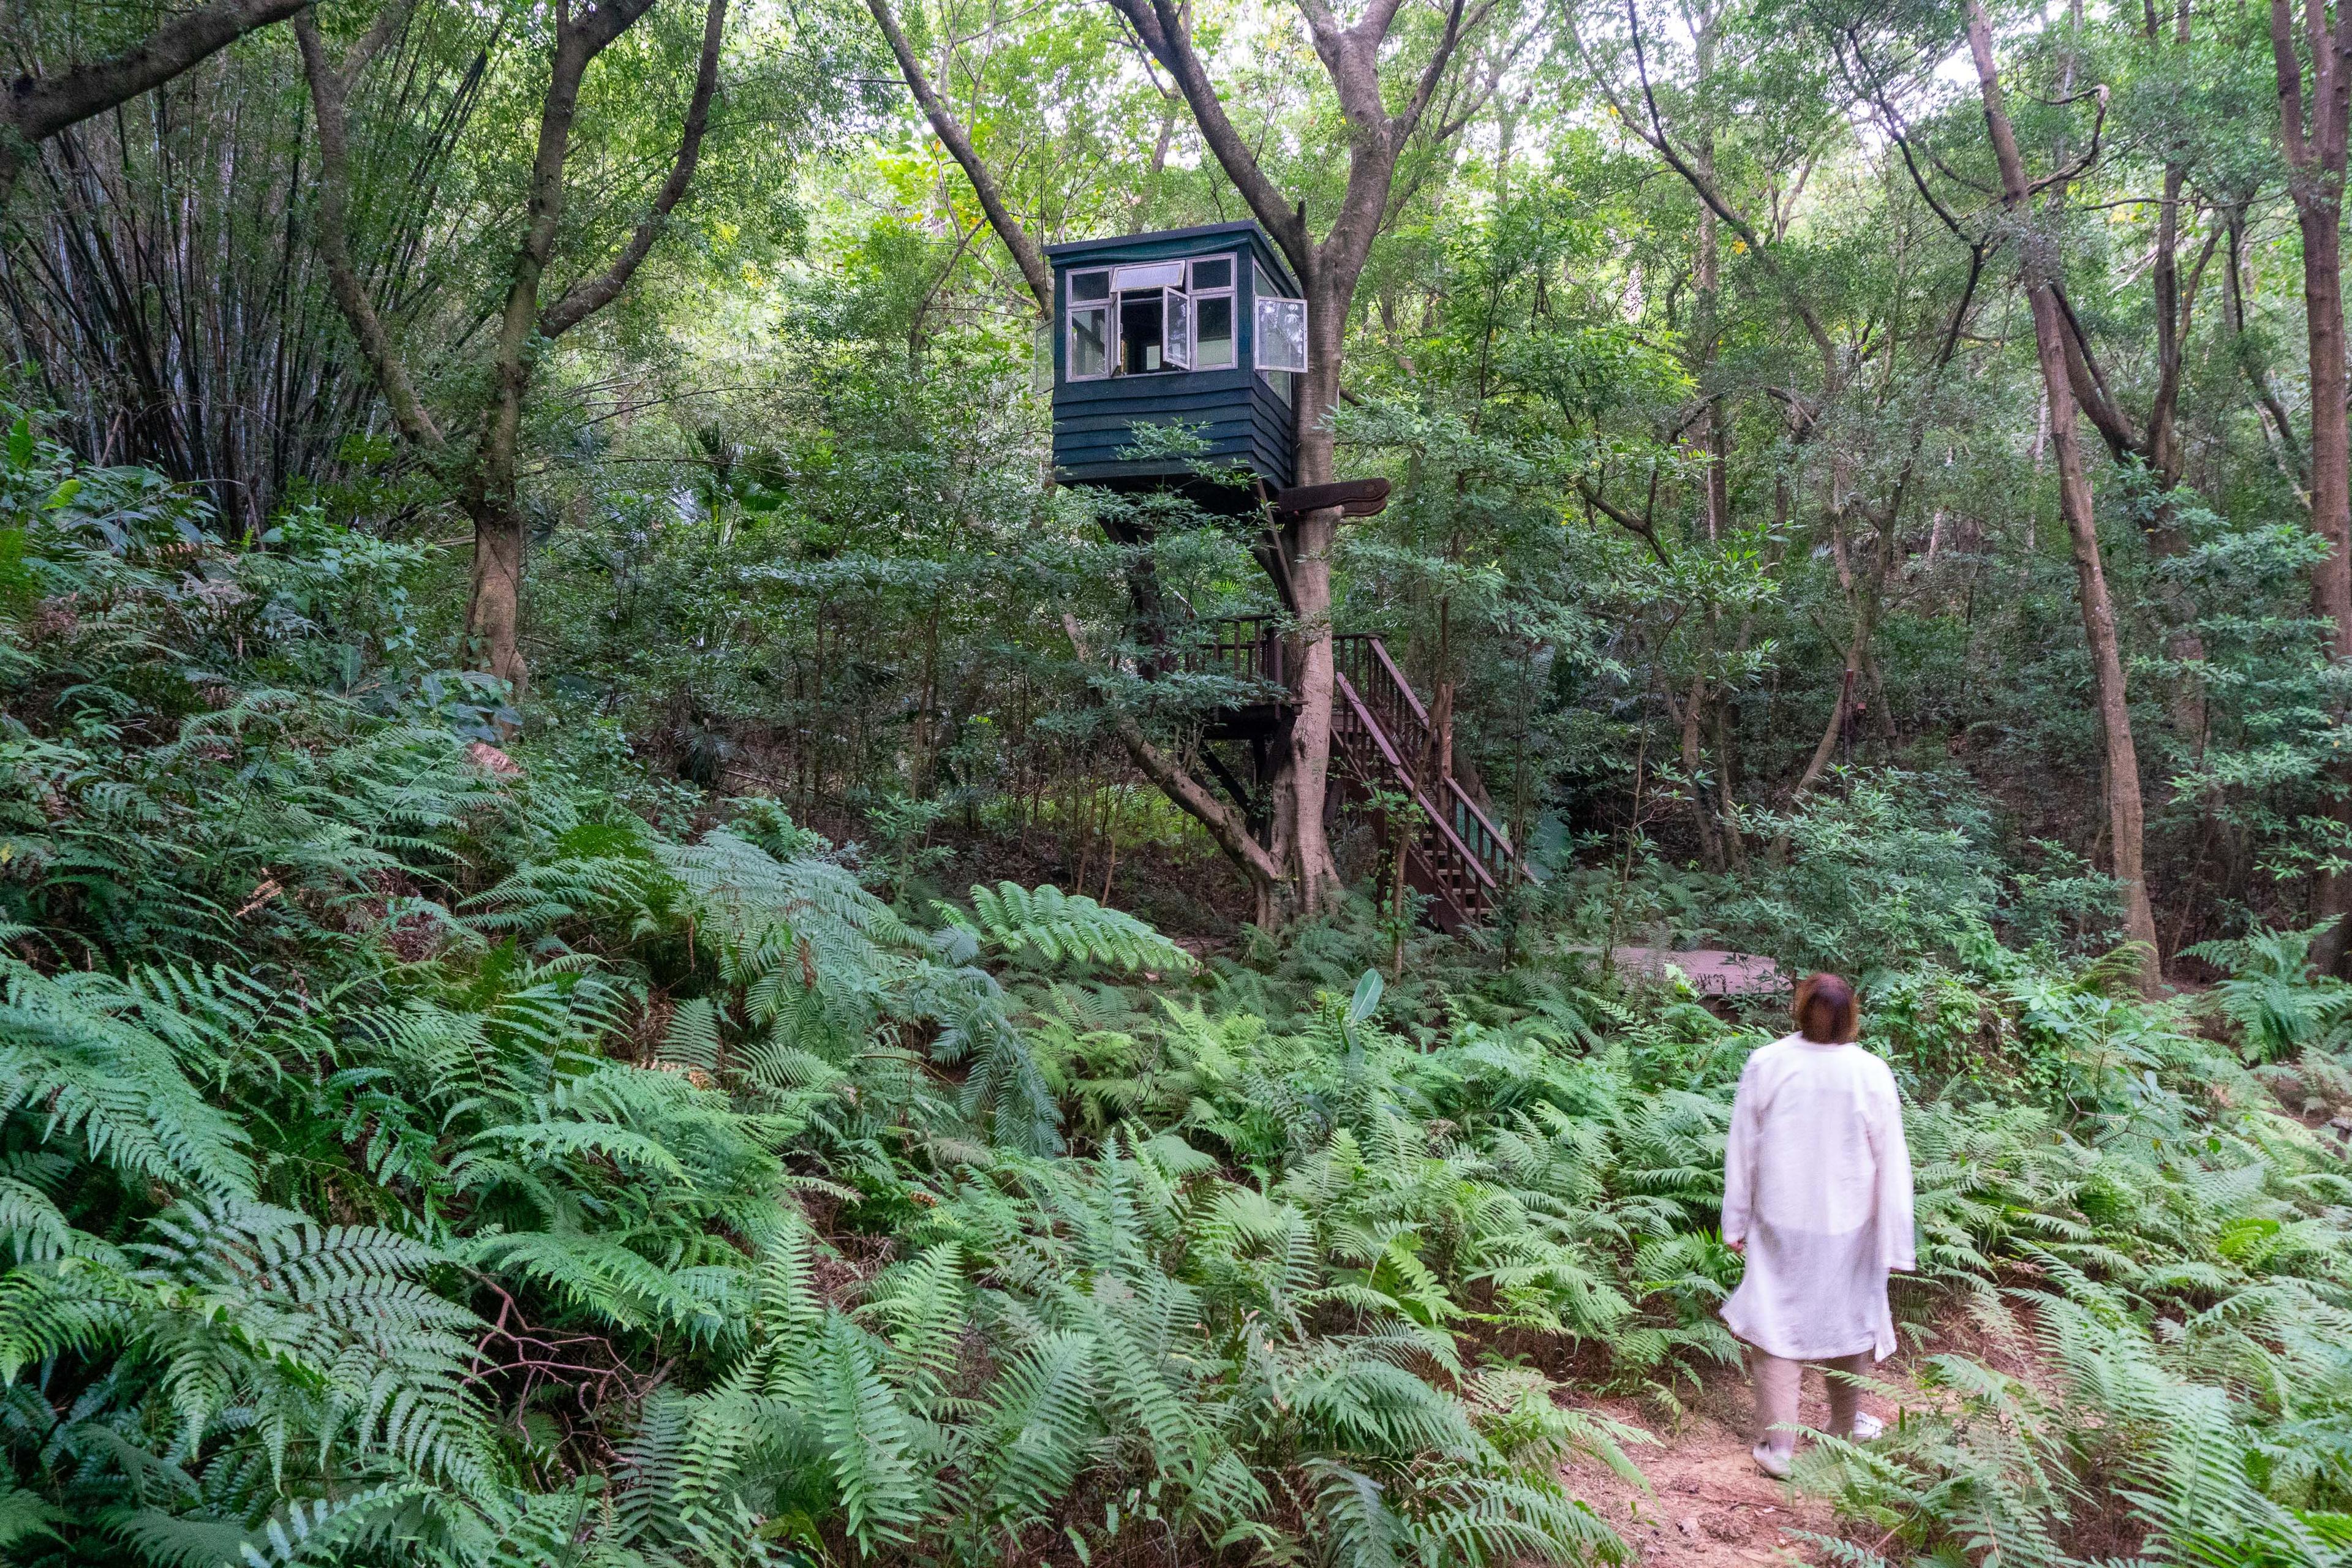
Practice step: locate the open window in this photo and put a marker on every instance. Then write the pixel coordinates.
(1148, 317)
(1176, 329)
(1281, 334)
(1277, 334)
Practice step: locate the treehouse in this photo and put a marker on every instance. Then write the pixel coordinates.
(1199, 327)
(1205, 328)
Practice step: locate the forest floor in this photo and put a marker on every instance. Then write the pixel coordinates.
(1708, 1505)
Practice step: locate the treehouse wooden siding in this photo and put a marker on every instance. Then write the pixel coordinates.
(1236, 412)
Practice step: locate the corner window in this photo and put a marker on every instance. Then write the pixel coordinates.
(1277, 334)
(1282, 335)
(1089, 343)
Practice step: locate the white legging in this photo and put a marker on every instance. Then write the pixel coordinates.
(1776, 1383)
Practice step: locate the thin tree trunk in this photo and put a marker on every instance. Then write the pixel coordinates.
(2122, 784)
(2316, 164)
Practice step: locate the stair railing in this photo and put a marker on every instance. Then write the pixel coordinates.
(1452, 873)
(1365, 660)
(1378, 722)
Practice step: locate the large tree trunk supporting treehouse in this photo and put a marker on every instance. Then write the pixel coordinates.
(1314, 868)
(2314, 141)
(2124, 816)
(1328, 271)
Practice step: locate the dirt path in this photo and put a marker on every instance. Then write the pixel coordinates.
(1710, 1506)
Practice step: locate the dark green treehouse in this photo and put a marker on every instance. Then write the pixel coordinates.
(1199, 326)
(1205, 328)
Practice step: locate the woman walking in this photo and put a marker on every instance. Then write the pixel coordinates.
(1817, 1197)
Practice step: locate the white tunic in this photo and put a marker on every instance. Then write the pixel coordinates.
(1817, 1182)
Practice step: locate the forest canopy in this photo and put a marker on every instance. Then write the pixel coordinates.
(635, 930)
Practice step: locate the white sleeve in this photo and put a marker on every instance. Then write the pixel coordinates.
(1896, 1241)
(1739, 1159)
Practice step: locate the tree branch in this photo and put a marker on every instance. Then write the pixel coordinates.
(1162, 31)
(1705, 188)
(40, 107)
(330, 90)
(951, 133)
(587, 298)
(1225, 824)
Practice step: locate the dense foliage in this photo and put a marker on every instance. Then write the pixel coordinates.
(409, 1161)
(603, 958)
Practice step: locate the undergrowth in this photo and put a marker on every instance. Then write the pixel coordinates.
(407, 1161)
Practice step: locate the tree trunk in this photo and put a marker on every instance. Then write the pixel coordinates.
(2316, 163)
(1314, 868)
(2074, 502)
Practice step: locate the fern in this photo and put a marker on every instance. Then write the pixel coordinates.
(1059, 926)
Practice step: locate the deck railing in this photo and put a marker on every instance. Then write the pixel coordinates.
(1247, 647)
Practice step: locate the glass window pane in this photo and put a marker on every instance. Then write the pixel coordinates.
(1217, 274)
(1176, 338)
(1152, 275)
(1089, 284)
(1281, 334)
(1089, 343)
(1212, 331)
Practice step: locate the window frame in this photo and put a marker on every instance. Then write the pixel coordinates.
(1175, 330)
(1073, 308)
(1227, 290)
(1263, 288)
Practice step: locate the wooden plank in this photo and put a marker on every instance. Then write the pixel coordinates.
(1234, 416)
(1358, 498)
(1108, 444)
(1225, 381)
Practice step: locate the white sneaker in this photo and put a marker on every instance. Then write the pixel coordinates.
(1770, 1460)
(1866, 1426)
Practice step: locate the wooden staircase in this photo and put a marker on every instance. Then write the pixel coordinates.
(1380, 739)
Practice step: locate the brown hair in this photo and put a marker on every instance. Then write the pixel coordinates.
(1825, 1010)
